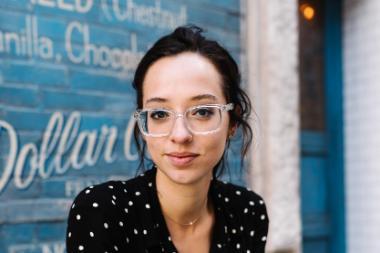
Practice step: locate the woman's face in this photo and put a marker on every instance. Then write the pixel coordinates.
(177, 83)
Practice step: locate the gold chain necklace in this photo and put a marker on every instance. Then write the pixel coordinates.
(191, 223)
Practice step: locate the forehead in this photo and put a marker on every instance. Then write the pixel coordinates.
(181, 78)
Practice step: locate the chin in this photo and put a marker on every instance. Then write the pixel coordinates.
(186, 176)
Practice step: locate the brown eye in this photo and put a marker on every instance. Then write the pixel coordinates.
(158, 114)
(203, 112)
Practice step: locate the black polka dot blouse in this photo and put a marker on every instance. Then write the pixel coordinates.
(125, 216)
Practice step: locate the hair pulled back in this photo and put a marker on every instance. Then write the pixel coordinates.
(190, 39)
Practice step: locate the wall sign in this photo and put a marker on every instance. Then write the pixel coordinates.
(66, 100)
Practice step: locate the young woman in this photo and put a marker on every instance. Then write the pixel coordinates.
(190, 104)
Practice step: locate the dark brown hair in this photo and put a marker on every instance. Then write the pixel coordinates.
(191, 39)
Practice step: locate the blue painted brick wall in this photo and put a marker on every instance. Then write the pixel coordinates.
(57, 67)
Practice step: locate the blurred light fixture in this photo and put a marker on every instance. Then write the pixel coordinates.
(307, 11)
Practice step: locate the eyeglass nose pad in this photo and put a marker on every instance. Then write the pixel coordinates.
(184, 129)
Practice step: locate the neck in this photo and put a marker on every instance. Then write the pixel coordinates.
(182, 204)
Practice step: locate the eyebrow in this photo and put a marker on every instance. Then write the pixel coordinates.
(195, 98)
(156, 99)
(204, 96)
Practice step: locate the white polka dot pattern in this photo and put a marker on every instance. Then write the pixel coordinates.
(125, 216)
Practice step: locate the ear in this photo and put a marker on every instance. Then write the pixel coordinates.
(232, 130)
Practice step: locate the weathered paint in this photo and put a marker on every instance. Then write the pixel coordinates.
(66, 101)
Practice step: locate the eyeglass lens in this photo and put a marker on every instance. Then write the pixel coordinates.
(199, 120)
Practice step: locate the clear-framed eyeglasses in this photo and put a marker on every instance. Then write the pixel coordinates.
(200, 119)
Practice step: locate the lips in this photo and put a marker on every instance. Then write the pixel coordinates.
(181, 159)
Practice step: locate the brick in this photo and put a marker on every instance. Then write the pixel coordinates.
(70, 101)
(220, 20)
(29, 73)
(11, 233)
(90, 80)
(21, 120)
(23, 97)
(51, 231)
(223, 5)
(23, 5)
(11, 192)
(18, 20)
(52, 27)
(34, 210)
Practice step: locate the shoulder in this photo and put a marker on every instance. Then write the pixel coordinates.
(241, 200)
(237, 194)
(107, 194)
(113, 194)
(96, 197)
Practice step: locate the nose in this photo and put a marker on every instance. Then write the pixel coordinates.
(180, 132)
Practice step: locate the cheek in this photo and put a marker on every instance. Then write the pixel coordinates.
(218, 148)
(153, 147)
(216, 144)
